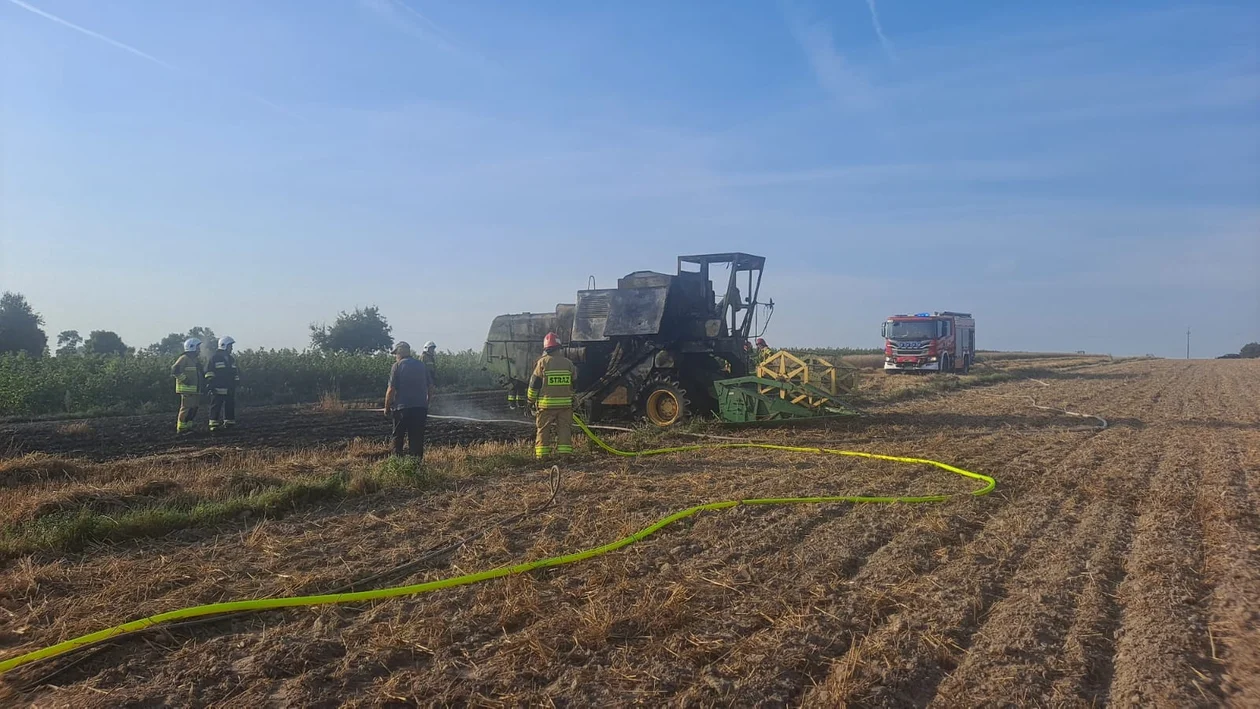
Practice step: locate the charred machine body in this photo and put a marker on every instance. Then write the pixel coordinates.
(652, 346)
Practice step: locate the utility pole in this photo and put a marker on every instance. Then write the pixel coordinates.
(1187, 342)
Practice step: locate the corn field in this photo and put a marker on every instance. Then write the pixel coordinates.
(143, 384)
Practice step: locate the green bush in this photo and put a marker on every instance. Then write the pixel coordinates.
(141, 384)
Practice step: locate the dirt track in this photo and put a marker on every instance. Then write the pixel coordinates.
(1116, 567)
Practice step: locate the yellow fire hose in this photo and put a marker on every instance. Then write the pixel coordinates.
(262, 604)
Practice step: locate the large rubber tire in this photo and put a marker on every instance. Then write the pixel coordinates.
(945, 365)
(664, 401)
(966, 366)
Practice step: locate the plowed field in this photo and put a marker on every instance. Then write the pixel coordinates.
(1119, 566)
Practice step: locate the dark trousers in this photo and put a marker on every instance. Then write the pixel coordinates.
(222, 409)
(409, 424)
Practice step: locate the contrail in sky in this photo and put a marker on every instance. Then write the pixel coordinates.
(132, 50)
(90, 33)
(879, 30)
(433, 26)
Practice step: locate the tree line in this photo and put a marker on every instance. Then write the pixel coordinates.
(101, 374)
(361, 331)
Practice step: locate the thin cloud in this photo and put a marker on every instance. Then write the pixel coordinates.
(879, 30)
(433, 26)
(835, 75)
(132, 50)
(408, 20)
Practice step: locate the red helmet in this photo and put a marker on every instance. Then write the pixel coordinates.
(551, 341)
(761, 342)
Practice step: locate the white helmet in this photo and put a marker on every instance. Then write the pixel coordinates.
(225, 342)
(191, 345)
(430, 345)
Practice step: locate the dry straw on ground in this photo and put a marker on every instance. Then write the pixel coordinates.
(75, 429)
(1115, 566)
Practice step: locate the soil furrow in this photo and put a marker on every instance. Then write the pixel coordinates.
(926, 644)
(817, 604)
(1085, 664)
(1231, 540)
(1162, 652)
(788, 627)
(1026, 640)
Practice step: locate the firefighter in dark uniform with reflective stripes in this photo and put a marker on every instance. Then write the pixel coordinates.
(551, 392)
(428, 355)
(188, 374)
(222, 378)
(515, 399)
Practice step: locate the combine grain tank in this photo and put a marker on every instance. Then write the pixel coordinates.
(654, 345)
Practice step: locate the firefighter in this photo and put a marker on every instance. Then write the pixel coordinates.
(428, 355)
(516, 397)
(763, 350)
(222, 378)
(188, 375)
(551, 393)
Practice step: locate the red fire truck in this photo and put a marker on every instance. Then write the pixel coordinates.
(929, 342)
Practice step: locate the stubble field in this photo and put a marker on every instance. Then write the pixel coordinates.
(1113, 566)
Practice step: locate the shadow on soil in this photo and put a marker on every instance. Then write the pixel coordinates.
(1068, 374)
(946, 422)
(1220, 424)
(952, 422)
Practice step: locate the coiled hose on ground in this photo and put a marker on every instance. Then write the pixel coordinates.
(262, 604)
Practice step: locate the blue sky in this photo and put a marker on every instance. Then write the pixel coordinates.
(1080, 175)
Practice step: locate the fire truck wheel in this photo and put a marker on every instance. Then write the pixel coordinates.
(665, 401)
(944, 365)
(966, 365)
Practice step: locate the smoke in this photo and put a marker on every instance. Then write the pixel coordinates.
(483, 405)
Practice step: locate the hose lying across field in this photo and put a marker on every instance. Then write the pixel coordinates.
(262, 604)
(1102, 424)
(402, 569)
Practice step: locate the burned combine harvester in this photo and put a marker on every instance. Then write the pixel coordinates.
(655, 345)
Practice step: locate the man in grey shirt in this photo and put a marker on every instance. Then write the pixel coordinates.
(407, 400)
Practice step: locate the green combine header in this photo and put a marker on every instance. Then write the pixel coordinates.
(787, 387)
